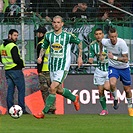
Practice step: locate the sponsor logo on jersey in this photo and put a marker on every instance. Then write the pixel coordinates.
(56, 46)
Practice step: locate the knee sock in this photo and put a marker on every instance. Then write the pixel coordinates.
(129, 100)
(49, 102)
(68, 94)
(103, 102)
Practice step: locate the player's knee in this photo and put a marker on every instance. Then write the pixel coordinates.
(107, 88)
(52, 90)
(60, 91)
(113, 86)
(101, 92)
(127, 90)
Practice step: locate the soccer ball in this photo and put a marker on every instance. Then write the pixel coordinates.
(15, 111)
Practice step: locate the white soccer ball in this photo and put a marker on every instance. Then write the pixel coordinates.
(15, 111)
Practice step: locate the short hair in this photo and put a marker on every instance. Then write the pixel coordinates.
(11, 31)
(98, 29)
(57, 16)
(112, 30)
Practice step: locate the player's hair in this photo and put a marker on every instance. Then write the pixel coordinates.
(98, 29)
(57, 16)
(112, 30)
(11, 31)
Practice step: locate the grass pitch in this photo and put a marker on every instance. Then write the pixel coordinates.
(76, 123)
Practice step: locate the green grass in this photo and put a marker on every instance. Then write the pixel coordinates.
(77, 123)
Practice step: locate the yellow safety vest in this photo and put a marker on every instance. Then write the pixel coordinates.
(6, 56)
(45, 61)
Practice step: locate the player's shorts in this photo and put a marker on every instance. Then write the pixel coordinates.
(58, 76)
(100, 77)
(124, 75)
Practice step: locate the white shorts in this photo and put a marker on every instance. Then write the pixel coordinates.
(100, 77)
(58, 76)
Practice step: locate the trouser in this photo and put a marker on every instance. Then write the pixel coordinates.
(15, 78)
(44, 84)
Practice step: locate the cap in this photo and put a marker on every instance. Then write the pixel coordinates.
(41, 30)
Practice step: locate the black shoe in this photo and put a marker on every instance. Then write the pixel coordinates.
(25, 112)
(115, 106)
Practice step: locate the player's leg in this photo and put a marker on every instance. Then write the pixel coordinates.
(65, 92)
(99, 80)
(126, 80)
(44, 80)
(51, 97)
(49, 100)
(102, 100)
(113, 76)
(57, 78)
(107, 87)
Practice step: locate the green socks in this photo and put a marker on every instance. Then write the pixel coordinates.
(67, 94)
(103, 102)
(51, 99)
(49, 102)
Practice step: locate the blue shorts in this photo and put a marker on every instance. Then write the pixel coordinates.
(124, 75)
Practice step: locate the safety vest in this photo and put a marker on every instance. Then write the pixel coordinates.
(6, 56)
(45, 61)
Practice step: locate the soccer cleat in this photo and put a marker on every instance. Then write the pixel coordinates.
(104, 112)
(39, 115)
(130, 111)
(76, 103)
(115, 106)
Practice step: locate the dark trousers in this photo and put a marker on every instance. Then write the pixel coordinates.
(15, 78)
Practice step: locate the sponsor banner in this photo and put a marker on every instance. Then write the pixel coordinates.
(89, 98)
(77, 84)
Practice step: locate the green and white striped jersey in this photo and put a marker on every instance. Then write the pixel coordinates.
(94, 51)
(60, 49)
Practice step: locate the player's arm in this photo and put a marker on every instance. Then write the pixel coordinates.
(44, 47)
(74, 39)
(124, 57)
(41, 54)
(91, 55)
(101, 57)
(80, 61)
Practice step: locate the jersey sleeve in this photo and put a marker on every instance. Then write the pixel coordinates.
(91, 52)
(74, 39)
(124, 48)
(45, 43)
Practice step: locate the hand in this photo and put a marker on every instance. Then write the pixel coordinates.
(39, 60)
(110, 55)
(105, 16)
(80, 61)
(75, 9)
(48, 19)
(101, 58)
